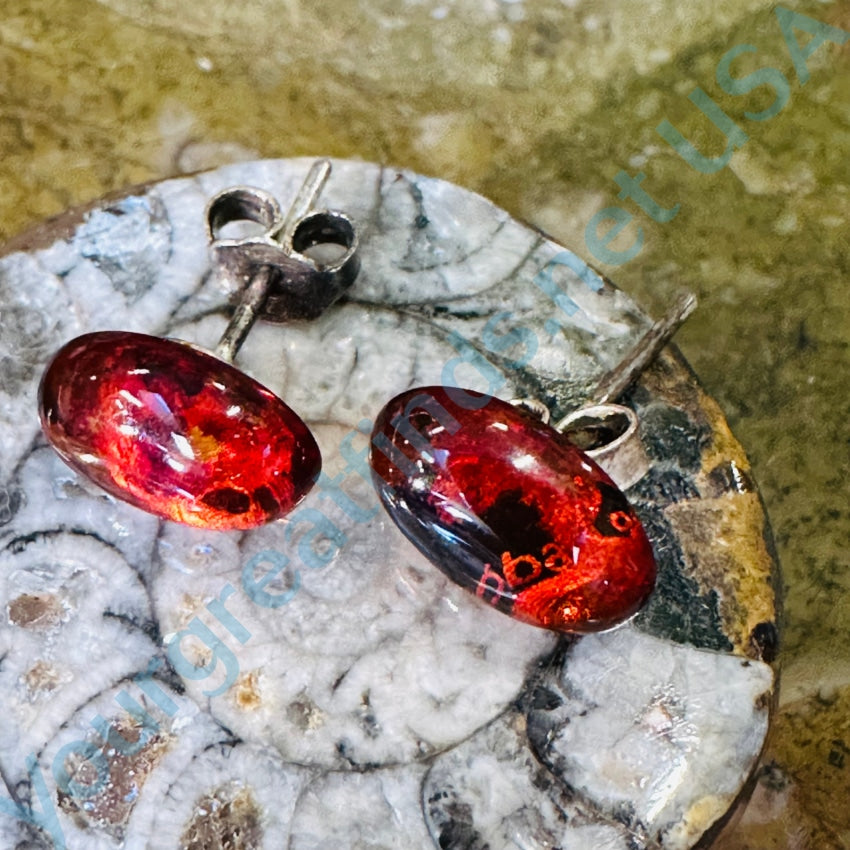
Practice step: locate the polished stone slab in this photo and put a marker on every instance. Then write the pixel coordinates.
(375, 680)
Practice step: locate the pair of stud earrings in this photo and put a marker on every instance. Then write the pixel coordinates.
(503, 503)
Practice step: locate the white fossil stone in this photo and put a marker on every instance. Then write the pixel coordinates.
(112, 764)
(376, 659)
(658, 735)
(74, 616)
(228, 796)
(387, 706)
(387, 802)
(53, 496)
(491, 791)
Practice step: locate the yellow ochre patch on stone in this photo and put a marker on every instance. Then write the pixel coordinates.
(724, 448)
(247, 694)
(725, 552)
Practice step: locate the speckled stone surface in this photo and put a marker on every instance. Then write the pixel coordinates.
(391, 703)
(537, 104)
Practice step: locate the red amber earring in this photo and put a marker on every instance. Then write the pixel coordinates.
(511, 508)
(180, 432)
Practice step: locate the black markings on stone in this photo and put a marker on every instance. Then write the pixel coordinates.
(662, 486)
(451, 822)
(669, 435)
(727, 477)
(467, 315)
(624, 813)
(543, 727)
(635, 842)
(677, 610)
(420, 251)
(339, 679)
(229, 500)
(19, 544)
(11, 500)
(367, 720)
(764, 639)
(543, 699)
(544, 782)
(148, 627)
(167, 675)
(342, 752)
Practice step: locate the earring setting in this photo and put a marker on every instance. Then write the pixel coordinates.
(511, 508)
(176, 431)
(505, 506)
(180, 432)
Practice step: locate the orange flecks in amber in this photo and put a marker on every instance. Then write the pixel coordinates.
(176, 431)
(204, 446)
(508, 509)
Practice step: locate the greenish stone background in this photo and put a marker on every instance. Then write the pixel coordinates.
(536, 104)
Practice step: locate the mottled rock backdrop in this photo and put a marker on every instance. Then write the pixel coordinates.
(350, 664)
(538, 105)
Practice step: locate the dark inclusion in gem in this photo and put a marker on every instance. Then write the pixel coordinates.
(508, 508)
(176, 431)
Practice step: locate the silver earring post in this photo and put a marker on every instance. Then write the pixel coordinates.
(606, 431)
(614, 383)
(274, 273)
(609, 432)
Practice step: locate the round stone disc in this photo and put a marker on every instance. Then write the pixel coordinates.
(422, 717)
